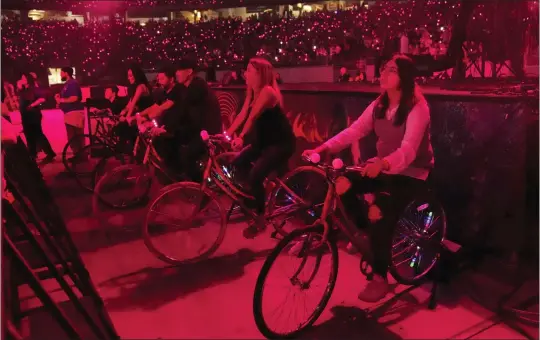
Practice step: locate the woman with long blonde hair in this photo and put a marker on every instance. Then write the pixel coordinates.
(271, 136)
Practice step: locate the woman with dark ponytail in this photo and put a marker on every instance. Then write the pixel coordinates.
(400, 118)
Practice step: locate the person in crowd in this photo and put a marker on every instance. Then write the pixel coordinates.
(5, 109)
(400, 118)
(139, 92)
(272, 141)
(117, 103)
(30, 99)
(140, 98)
(190, 106)
(168, 115)
(70, 102)
(200, 105)
(10, 97)
(10, 136)
(233, 77)
(344, 76)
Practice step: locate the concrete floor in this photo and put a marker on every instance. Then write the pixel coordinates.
(213, 299)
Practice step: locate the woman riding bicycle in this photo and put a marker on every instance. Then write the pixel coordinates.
(140, 98)
(271, 138)
(400, 118)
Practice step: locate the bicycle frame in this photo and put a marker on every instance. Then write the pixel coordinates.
(101, 132)
(332, 202)
(151, 157)
(213, 172)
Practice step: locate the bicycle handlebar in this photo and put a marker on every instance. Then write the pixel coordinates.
(214, 138)
(336, 165)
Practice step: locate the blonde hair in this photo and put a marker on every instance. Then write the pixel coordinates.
(267, 77)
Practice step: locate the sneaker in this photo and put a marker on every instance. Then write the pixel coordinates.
(375, 290)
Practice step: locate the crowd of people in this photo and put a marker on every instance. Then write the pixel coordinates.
(324, 36)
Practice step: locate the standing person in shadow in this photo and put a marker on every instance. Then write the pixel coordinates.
(30, 99)
(70, 102)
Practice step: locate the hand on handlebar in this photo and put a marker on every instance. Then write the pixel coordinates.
(311, 156)
(374, 167)
(237, 143)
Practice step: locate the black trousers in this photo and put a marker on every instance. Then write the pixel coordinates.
(35, 137)
(181, 159)
(265, 161)
(392, 194)
(127, 133)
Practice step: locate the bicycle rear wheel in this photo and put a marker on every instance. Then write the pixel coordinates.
(178, 213)
(304, 246)
(420, 229)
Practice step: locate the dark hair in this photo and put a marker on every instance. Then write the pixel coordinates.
(113, 88)
(168, 71)
(29, 79)
(68, 70)
(187, 64)
(139, 75)
(407, 73)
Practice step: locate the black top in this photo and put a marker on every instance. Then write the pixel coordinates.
(202, 106)
(195, 108)
(171, 118)
(271, 128)
(145, 100)
(118, 104)
(27, 97)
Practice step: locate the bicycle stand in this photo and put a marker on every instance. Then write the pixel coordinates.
(448, 249)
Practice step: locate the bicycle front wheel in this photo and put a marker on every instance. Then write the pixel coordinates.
(69, 157)
(313, 270)
(124, 187)
(184, 224)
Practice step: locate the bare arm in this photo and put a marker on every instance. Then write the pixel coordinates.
(39, 101)
(131, 105)
(159, 109)
(266, 99)
(241, 117)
